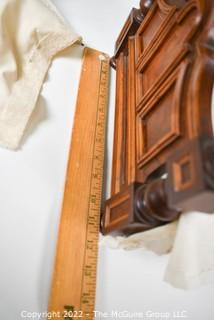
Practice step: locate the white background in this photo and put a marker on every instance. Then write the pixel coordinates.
(31, 187)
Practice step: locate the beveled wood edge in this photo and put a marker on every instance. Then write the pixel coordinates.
(130, 27)
(204, 66)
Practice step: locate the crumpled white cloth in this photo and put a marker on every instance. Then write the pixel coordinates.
(191, 262)
(32, 32)
(190, 241)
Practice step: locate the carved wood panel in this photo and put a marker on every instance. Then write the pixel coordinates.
(164, 61)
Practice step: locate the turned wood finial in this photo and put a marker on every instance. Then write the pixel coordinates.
(151, 205)
(145, 5)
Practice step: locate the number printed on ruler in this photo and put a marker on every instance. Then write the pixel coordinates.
(89, 283)
(74, 278)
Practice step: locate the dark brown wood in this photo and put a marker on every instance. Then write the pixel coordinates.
(164, 61)
(140, 206)
(190, 182)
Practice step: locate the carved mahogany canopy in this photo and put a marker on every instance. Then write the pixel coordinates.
(163, 160)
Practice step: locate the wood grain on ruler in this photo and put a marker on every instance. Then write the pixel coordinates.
(74, 279)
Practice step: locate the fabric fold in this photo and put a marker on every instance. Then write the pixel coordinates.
(189, 242)
(32, 34)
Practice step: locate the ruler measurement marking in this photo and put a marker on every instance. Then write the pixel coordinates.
(81, 280)
(98, 160)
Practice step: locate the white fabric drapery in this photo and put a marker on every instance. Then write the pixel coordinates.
(190, 242)
(31, 34)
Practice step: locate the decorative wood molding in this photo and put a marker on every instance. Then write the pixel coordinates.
(190, 182)
(168, 96)
(164, 61)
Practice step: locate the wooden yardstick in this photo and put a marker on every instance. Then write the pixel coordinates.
(74, 279)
